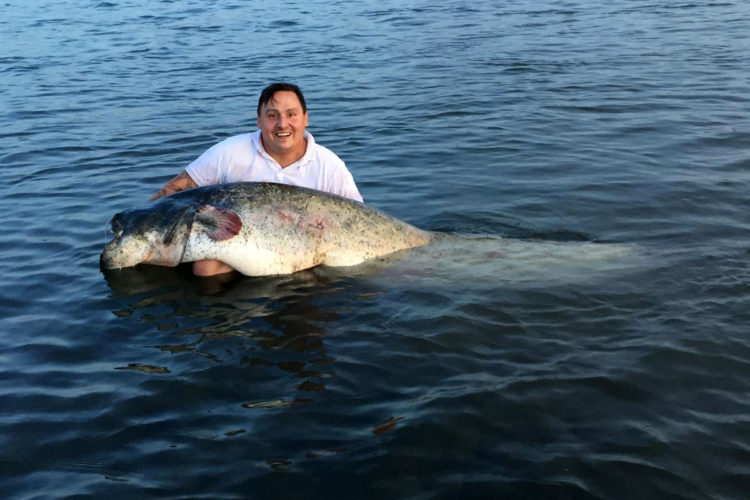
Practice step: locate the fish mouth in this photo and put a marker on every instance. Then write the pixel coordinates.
(110, 257)
(112, 240)
(104, 264)
(105, 259)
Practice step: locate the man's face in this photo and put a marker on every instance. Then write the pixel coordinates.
(282, 124)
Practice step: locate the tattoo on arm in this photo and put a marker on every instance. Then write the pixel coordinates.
(179, 183)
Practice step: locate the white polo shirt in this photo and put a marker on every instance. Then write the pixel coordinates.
(242, 158)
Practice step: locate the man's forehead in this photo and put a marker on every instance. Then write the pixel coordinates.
(283, 100)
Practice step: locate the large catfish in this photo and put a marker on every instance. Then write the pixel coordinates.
(258, 229)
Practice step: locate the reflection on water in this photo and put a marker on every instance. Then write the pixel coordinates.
(290, 313)
(270, 331)
(275, 313)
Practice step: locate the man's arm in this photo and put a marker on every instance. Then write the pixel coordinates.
(181, 182)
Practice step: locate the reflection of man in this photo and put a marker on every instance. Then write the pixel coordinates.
(281, 151)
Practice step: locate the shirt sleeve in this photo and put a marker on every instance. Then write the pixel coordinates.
(334, 177)
(347, 187)
(206, 169)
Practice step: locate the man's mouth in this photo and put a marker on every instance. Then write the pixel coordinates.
(283, 134)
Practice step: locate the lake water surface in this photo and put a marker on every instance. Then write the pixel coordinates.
(450, 373)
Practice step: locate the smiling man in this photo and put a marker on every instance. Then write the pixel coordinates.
(281, 150)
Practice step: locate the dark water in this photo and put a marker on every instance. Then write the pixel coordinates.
(625, 122)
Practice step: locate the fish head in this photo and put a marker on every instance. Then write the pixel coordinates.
(153, 235)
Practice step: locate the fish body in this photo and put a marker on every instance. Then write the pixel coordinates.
(257, 228)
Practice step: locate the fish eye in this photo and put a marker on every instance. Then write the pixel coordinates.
(115, 225)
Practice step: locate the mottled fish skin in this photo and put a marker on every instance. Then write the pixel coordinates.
(258, 229)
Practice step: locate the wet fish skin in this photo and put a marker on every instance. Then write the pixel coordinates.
(258, 229)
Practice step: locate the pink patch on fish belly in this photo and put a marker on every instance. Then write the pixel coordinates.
(220, 224)
(317, 224)
(285, 217)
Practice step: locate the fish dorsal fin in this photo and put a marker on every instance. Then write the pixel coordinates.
(217, 223)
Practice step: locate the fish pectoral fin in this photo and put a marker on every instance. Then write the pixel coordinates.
(217, 223)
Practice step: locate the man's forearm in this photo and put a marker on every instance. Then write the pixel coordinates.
(179, 183)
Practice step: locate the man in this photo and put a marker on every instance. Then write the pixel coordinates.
(280, 151)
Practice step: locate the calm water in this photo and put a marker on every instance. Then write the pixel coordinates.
(623, 122)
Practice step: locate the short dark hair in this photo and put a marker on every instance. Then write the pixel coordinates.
(269, 91)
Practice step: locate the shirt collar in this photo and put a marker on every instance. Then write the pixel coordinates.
(306, 158)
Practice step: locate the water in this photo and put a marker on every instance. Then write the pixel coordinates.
(575, 122)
